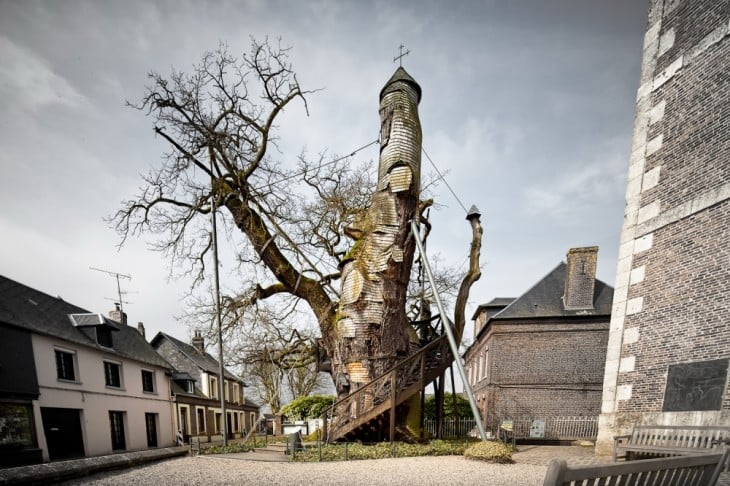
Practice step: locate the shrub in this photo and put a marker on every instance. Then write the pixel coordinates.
(231, 448)
(307, 407)
(463, 409)
(490, 451)
(382, 450)
(313, 437)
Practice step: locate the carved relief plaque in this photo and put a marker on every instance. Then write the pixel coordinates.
(695, 386)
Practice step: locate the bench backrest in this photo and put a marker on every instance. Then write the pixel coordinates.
(694, 470)
(698, 437)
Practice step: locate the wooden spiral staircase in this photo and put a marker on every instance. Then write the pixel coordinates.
(367, 409)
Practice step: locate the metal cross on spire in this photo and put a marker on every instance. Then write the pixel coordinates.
(401, 54)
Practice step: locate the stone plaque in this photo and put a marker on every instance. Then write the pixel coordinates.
(695, 386)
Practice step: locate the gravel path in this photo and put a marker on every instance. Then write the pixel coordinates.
(421, 471)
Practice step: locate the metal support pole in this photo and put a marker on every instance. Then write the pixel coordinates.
(217, 301)
(449, 332)
(393, 398)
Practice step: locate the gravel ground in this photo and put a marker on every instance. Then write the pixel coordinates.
(421, 471)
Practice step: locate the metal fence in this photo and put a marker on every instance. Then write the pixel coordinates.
(452, 428)
(551, 428)
(563, 428)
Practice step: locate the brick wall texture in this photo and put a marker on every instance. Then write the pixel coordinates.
(672, 300)
(581, 279)
(686, 311)
(539, 368)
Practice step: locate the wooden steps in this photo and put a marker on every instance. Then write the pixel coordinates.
(366, 408)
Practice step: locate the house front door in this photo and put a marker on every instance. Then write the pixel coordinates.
(151, 426)
(116, 425)
(184, 424)
(62, 427)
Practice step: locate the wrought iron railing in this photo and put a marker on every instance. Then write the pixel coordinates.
(559, 427)
(388, 390)
(452, 428)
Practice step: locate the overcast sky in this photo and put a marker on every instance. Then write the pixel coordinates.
(527, 106)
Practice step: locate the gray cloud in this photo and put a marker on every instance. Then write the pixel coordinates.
(527, 106)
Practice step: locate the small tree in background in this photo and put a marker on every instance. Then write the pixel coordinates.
(310, 407)
(463, 409)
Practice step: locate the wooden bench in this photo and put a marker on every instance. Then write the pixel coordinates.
(669, 440)
(691, 470)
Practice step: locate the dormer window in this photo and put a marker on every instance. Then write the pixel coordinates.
(96, 327)
(184, 381)
(104, 336)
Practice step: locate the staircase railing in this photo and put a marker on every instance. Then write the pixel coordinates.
(385, 392)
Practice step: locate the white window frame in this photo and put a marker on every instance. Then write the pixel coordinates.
(482, 365)
(203, 429)
(75, 363)
(486, 362)
(154, 381)
(121, 374)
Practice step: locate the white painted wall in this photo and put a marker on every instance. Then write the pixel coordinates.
(90, 394)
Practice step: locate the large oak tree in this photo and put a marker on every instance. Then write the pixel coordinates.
(286, 221)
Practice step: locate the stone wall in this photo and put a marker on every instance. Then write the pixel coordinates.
(672, 296)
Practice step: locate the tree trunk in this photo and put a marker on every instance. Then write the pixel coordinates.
(371, 330)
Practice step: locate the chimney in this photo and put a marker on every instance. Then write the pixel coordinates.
(140, 328)
(118, 315)
(580, 278)
(198, 342)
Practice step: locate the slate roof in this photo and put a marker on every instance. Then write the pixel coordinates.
(31, 309)
(204, 361)
(545, 299)
(496, 303)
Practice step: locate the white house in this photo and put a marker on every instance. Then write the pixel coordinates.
(101, 388)
(195, 390)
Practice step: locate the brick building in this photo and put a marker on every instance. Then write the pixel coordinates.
(668, 349)
(542, 354)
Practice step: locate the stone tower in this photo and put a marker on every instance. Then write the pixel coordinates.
(669, 343)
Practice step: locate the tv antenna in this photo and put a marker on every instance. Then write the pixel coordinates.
(119, 301)
(116, 275)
